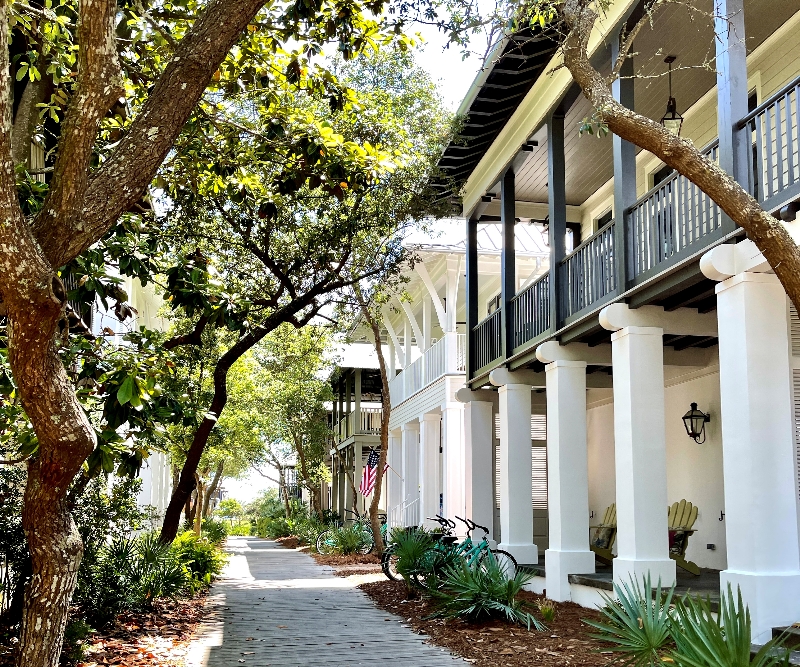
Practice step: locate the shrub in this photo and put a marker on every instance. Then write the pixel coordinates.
(273, 528)
(156, 572)
(200, 557)
(704, 641)
(547, 610)
(411, 548)
(483, 591)
(75, 635)
(637, 624)
(240, 528)
(308, 530)
(351, 539)
(214, 531)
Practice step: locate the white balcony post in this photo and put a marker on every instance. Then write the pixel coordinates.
(478, 444)
(430, 425)
(761, 512)
(358, 470)
(357, 404)
(410, 433)
(451, 352)
(640, 456)
(453, 459)
(394, 475)
(567, 477)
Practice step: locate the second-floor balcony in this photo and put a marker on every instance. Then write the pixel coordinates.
(445, 356)
(365, 421)
(670, 225)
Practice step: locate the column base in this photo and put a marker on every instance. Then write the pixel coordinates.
(526, 554)
(663, 570)
(773, 599)
(559, 565)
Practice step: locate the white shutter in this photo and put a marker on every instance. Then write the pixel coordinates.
(538, 462)
(796, 406)
(795, 330)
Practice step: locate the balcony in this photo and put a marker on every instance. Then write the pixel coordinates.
(668, 226)
(447, 355)
(367, 421)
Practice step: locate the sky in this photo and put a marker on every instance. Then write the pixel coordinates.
(453, 75)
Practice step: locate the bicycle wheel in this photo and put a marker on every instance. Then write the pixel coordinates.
(389, 565)
(325, 542)
(505, 561)
(367, 543)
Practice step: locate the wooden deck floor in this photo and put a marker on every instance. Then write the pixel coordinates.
(275, 607)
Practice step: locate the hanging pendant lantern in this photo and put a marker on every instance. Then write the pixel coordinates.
(672, 120)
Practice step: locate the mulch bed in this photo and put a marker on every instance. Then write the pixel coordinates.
(351, 559)
(497, 643)
(160, 638)
(290, 542)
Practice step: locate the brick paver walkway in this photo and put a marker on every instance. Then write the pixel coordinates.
(275, 607)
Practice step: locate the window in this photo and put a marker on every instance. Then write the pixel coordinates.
(493, 305)
(538, 461)
(662, 174)
(604, 219)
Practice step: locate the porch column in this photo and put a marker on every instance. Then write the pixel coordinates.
(478, 426)
(557, 211)
(334, 486)
(348, 487)
(453, 460)
(508, 263)
(516, 512)
(357, 402)
(567, 477)
(471, 296)
(393, 477)
(640, 456)
(410, 435)
(341, 488)
(358, 469)
(430, 425)
(761, 512)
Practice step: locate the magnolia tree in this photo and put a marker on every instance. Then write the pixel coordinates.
(107, 93)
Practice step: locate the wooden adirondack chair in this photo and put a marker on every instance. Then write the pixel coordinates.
(602, 539)
(682, 516)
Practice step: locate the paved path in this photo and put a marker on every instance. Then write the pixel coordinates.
(275, 607)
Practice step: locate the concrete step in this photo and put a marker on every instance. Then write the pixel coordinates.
(790, 634)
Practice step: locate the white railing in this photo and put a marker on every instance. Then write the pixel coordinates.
(447, 355)
(367, 422)
(405, 514)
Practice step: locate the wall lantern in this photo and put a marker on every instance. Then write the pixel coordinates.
(672, 120)
(695, 422)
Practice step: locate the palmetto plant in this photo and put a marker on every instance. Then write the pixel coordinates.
(637, 624)
(483, 591)
(704, 641)
(410, 548)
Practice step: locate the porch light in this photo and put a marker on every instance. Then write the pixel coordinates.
(672, 120)
(695, 422)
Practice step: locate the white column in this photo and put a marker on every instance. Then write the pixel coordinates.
(516, 513)
(426, 321)
(410, 434)
(453, 460)
(761, 513)
(640, 456)
(430, 426)
(358, 465)
(348, 483)
(393, 477)
(567, 477)
(407, 341)
(479, 498)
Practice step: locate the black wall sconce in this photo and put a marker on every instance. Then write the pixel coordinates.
(695, 422)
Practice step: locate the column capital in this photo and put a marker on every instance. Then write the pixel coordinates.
(430, 417)
(500, 377)
(739, 278)
(552, 350)
(466, 395)
(637, 331)
(410, 426)
(681, 321)
(728, 260)
(564, 363)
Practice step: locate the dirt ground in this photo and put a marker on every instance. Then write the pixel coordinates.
(497, 643)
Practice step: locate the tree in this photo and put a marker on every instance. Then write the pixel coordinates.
(78, 58)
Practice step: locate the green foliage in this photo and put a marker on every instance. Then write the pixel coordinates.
(241, 528)
(701, 640)
(411, 548)
(637, 624)
(267, 505)
(273, 528)
(547, 610)
(483, 591)
(214, 531)
(75, 636)
(351, 539)
(201, 557)
(229, 508)
(307, 530)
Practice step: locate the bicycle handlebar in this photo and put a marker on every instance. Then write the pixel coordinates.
(471, 525)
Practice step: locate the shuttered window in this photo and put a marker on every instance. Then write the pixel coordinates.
(795, 334)
(538, 462)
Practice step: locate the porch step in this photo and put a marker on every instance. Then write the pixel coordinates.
(791, 635)
(794, 656)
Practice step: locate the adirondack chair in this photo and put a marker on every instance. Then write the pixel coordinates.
(602, 539)
(682, 516)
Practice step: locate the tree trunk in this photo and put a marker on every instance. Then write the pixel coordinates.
(298, 445)
(212, 488)
(386, 411)
(284, 490)
(198, 506)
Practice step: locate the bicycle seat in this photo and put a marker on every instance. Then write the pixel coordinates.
(449, 539)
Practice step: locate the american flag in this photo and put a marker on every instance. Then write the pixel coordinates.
(370, 474)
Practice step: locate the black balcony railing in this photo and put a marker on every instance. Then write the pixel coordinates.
(670, 224)
(487, 340)
(669, 218)
(532, 311)
(587, 273)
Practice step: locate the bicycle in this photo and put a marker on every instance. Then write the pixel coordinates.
(390, 558)
(326, 540)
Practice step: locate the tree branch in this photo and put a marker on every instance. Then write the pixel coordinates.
(192, 338)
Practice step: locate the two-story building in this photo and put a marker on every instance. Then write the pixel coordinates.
(645, 299)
